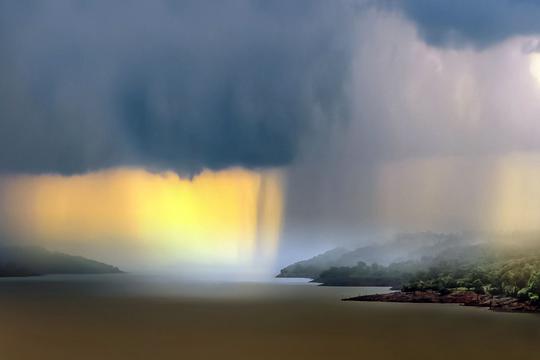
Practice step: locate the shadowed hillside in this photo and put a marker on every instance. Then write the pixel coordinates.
(30, 260)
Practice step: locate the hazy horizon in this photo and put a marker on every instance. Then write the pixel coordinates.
(269, 179)
(248, 134)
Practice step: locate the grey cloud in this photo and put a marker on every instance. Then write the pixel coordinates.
(432, 136)
(480, 23)
(177, 85)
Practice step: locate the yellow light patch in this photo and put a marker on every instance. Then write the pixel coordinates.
(222, 217)
(534, 66)
(492, 194)
(516, 195)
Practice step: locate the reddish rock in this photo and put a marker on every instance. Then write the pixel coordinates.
(466, 298)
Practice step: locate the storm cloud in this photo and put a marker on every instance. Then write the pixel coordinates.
(480, 23)
(436, 137)
(187, 85)
(167, 85)
(384, 115)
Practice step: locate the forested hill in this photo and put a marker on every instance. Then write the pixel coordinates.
(402, 248)
(511, 271)
(32, 260)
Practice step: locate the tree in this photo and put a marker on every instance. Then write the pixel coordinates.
(534, 287)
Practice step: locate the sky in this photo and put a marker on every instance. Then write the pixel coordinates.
(249, 133)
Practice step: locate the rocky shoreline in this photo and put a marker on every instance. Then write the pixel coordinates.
(465, 298)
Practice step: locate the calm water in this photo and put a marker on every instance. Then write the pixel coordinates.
(149, 317)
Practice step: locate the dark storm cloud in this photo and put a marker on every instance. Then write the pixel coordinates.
(480, 23)
(166, 84)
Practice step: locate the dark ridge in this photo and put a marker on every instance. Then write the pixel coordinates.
(33, 260)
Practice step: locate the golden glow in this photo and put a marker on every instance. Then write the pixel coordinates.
(493, 194)
(421, 194)
(224, 217)
(517, 193)
(534, 66)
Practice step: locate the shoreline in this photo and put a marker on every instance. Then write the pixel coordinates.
(464, 298)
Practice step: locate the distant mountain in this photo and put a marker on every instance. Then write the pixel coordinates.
(311, 268)
(489, 263)
(404, 247)
(32, 260)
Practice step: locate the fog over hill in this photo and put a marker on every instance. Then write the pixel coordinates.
(403, 247)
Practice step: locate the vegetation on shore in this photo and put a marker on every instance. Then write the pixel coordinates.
(515, 277)
(362, 274)
(490, 270)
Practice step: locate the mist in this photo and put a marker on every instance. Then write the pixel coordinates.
(379, 119)
(269, 179)
(440, 138)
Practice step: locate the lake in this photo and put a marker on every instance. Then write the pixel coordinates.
(130, 316)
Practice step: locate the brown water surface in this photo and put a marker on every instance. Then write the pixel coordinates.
(143, 317)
